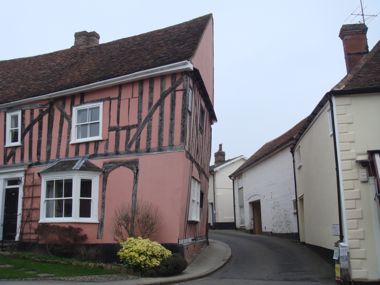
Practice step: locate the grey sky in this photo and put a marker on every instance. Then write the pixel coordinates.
(274, 59)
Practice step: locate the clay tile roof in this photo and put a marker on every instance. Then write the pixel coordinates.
(43, 74)
(271, 147)
(81, 164)
(365, 75)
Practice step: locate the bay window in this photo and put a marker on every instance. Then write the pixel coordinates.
(69, 197)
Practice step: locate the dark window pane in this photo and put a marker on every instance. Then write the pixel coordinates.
(58, 188)
(94, 114)
(68, 207)
(82, 131)
(68, 188)
(14, 121)
(94, 129)
(49, 209)
(85, 208)
(85, 188)
(82, 116)
(12, 182)
(58, 208)
(49, 189)
(14, 135)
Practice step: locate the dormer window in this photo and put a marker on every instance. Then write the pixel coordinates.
(13, 129)
(87, 123)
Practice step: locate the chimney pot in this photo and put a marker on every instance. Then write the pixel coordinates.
(86, 39)
(220, 156)
(355, 45)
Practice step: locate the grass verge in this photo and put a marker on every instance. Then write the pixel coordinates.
(15, 266)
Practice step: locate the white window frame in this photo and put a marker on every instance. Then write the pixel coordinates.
(190, 99)
(329, 122)
(76, 177)
(8, 142)
(194, 203)
(298, 157)
(74, 124)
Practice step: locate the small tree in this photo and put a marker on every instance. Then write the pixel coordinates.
(143, 221)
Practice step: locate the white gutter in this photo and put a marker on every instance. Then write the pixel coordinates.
(157, 71)
(344, 221)
(229, 162)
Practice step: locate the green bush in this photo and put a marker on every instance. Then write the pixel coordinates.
(142, 254)
(60, 240)
(173, 265)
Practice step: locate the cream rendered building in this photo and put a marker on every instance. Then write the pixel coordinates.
(220, 194)
(337, 162)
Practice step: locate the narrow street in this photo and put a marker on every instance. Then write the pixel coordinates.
(258, 259)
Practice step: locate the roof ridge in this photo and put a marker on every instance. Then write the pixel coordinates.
(271, 147)
(112, 41)
(26, 77)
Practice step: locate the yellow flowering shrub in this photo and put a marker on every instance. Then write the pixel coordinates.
(141, 254)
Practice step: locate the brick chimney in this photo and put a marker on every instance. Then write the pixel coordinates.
(354, 38)
(220, 156)
(86, 39)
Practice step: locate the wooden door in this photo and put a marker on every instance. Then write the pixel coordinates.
(256, 216)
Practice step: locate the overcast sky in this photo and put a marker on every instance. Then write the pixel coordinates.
(274, 59)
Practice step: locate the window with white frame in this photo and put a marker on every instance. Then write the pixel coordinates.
(298, 157)
(189, 99)
(329, 122)
(87, 123)
(13, 128)
(241, 204)
(194, 207)
(69, 197)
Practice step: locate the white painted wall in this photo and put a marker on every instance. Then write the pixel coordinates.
(316, 183)
(272, 182)
(222, 184)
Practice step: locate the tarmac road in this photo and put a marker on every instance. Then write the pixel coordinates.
(266, 260)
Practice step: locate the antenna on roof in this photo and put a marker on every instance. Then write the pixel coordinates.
(362, 14)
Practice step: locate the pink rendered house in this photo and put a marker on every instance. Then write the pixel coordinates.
(91, 128)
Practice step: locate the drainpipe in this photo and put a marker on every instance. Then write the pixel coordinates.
(213, 193)
(233, 192)
(295, 192)
(342, 228)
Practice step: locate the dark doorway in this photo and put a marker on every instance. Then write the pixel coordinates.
(10, 213)
(256, 217)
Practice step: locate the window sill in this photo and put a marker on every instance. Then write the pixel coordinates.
(68, 220)
(13, 145)
(86, 140)
(193, 221)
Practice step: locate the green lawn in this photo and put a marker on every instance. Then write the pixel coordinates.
(22, 267)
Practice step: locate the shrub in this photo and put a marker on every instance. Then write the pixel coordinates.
(173, 265)
(60, 240)
(142, 222)
(141, 254)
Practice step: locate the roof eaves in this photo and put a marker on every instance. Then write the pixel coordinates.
(247, 166)
(161, 70)
(230, 161)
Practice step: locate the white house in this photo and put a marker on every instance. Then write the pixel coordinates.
(220, 195)
(337, 164)
(264, 188)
